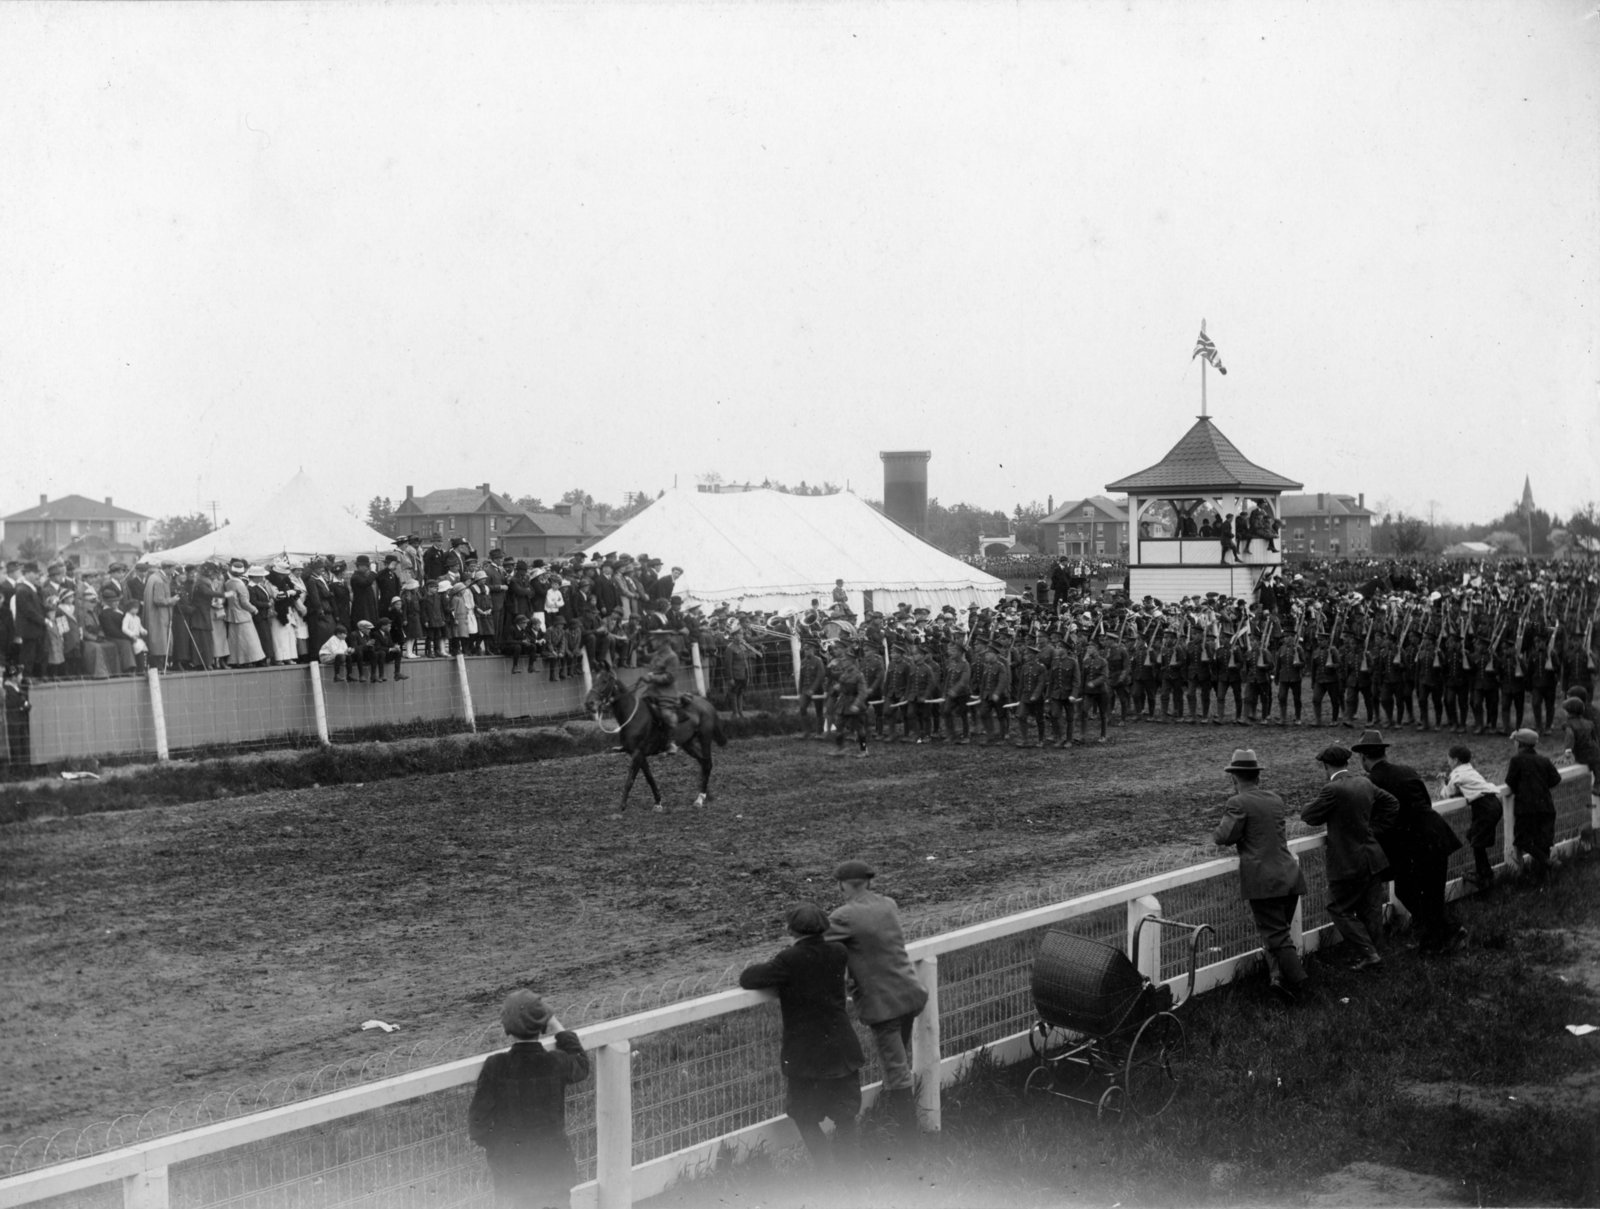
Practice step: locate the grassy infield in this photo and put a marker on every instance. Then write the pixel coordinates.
(1272, 1098)
(1275, 1098)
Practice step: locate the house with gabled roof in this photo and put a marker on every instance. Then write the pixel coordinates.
(1203, 478)
(1093, 527)
(487, 521)
(1326, 525)
(60, 522)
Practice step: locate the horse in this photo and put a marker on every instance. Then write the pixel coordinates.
(698, 726)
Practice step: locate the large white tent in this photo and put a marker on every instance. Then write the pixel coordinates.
(767, 550)
(300, 520)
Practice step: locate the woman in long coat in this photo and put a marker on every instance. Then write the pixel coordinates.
(244, 645)
(158, 616)
(285, 603)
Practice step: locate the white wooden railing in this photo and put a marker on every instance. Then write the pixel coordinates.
(143, 1169)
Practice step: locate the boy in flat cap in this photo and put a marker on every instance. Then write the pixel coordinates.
(887, 991)
(1530, 777)
(821, 1055)
(1270, 879)
(519, 1108)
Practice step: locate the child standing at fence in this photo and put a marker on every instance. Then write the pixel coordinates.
(519, 1108)
(1530, 777)
(1483, 800)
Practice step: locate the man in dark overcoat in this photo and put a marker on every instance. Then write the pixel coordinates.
(1354, 810)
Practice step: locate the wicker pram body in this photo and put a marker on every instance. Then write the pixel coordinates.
(1087, 987)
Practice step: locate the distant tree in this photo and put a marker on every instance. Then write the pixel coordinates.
(1585, 520)
(956, 529)
(1025, 523)
(1409, 535)
(35, 550)
(530, 503)
(633, 503)
(380, 514)
(172, 531)
(1506, 542)
(578, 495)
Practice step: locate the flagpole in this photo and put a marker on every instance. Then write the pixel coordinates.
(1202, 375)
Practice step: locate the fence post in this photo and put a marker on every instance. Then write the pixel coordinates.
(1508, 852)
(158, 714)
(1148, 958)
(794, 656)
(588, 672)
(613, 1125)
(466, 692)
(699, 668)
(146, 1190)
(925, 1047)
(319, 703)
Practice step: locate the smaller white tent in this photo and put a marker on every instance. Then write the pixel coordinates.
(768, 551)
(300, 520)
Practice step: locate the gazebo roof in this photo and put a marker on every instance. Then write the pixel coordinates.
(1204, 458)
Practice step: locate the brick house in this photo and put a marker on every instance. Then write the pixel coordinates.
(1096, 527)
(59, 523)
(489, 521)
(1325, 525)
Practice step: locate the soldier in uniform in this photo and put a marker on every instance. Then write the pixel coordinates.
(874, 673)
(1095, 689)
(1119, 662)
(1325, 680)
(897, 693)
(1198, 665)
(956, 688)
(1291, 671)
(1064, 689)
(660, 680)
(1229, 676)
(922, 712)
(813, 686)
(994, 688)
(1174, 660)
(1258, 673)
(1513, 683)
(1457, 681)
(1147, 677)
(1485, 686)
(850, 698)
(1032, 680)
(1427, 670)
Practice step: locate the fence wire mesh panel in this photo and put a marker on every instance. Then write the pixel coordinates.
(1214, 901)
(699, 1081)
(986, 990)
(1314, 903)
(249, 708)
(101, 1196)
(89, 718)
(405, 1156)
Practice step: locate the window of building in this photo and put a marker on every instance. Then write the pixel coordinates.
(494, 524)
(1088, 514)
(452, 524)
(1099, 547)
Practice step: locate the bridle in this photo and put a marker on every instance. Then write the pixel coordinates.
(601, 704)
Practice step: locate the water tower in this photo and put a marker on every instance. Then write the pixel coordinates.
(905, 488)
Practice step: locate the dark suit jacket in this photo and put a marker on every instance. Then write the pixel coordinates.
(1353, 808)
(1418, 829)
(884, 980)
(30, 614)
(1255, 822)
(818, 1041)
(519, 1108)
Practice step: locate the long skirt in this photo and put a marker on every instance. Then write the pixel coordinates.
(244, 646)
(284, 647)
(220, 641)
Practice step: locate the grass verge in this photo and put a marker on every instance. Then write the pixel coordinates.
(1460, 1069)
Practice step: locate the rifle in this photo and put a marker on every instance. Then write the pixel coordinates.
(1333, 637)
(1366, 644)
(1261, 648)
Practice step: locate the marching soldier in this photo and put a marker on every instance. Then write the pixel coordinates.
(1291, 671)
(1198, 663)
(897, 693)
(994, 680)
(1174, 675)
(1094, 672)
(957, 688)
(1119, 662)
(1032, 680)
(1325, 681)
(813, 687)
(1065, 687)
(926, 679)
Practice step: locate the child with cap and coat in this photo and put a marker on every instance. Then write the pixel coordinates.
(887, 991)
(1270, 879)
(1530, 777)
(821, 1055)
(519, 1108)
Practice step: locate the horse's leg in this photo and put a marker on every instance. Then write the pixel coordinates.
(644, 767)
(627, 788)
(702, 739)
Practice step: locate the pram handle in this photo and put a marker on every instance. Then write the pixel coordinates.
(1196, 932)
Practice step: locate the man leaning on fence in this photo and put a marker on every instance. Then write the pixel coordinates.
(885, 986)
(1355, 812)
(821, 1055)
(1270, 878)
(519, 1108)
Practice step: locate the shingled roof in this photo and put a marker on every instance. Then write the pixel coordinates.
(76, 508)
(1204, 458)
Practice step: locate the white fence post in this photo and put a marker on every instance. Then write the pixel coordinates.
(466, 693)
(1148, 958)
(158, 714)
(613, 1125)
(699, 668)
(147, 1190)
(794, 656)
(588, 672)
(319, 703)
(925, 1047)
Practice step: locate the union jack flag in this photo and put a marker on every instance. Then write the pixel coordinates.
(1204, 348)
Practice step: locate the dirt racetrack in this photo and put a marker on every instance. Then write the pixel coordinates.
(157, 956)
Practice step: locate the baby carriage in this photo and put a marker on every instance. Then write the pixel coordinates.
(1106, 1034)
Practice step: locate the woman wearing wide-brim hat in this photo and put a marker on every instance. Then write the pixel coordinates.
(1270, 879)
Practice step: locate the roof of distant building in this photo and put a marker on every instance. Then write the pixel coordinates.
(456, 500)
(1331, 505)
(1204, 458)
(76, 508)
(1112, 508)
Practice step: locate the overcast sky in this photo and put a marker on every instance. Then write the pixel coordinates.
(611, 245)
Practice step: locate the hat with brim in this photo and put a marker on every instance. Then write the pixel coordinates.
(1370, 743)
(1244, 760)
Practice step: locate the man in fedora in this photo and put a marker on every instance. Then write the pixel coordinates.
(1270, 879)
(1353, 809)
(1419, 844)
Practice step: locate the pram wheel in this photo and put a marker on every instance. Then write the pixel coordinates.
(1113, 1099)
(1154, 1065)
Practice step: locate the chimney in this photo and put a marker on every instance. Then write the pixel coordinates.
(1361, 500)
(1322, 501)
(43, 499)
(108, 501)
(410, 491)
(1050, 504)
(484, 487)
(905, 488)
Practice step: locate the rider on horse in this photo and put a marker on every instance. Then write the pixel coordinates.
(660, 680)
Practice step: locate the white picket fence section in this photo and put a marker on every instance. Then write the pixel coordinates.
(680, 1088)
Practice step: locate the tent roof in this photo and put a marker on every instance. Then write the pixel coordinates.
(299, 519)
(763, 545)
(1204, 458)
